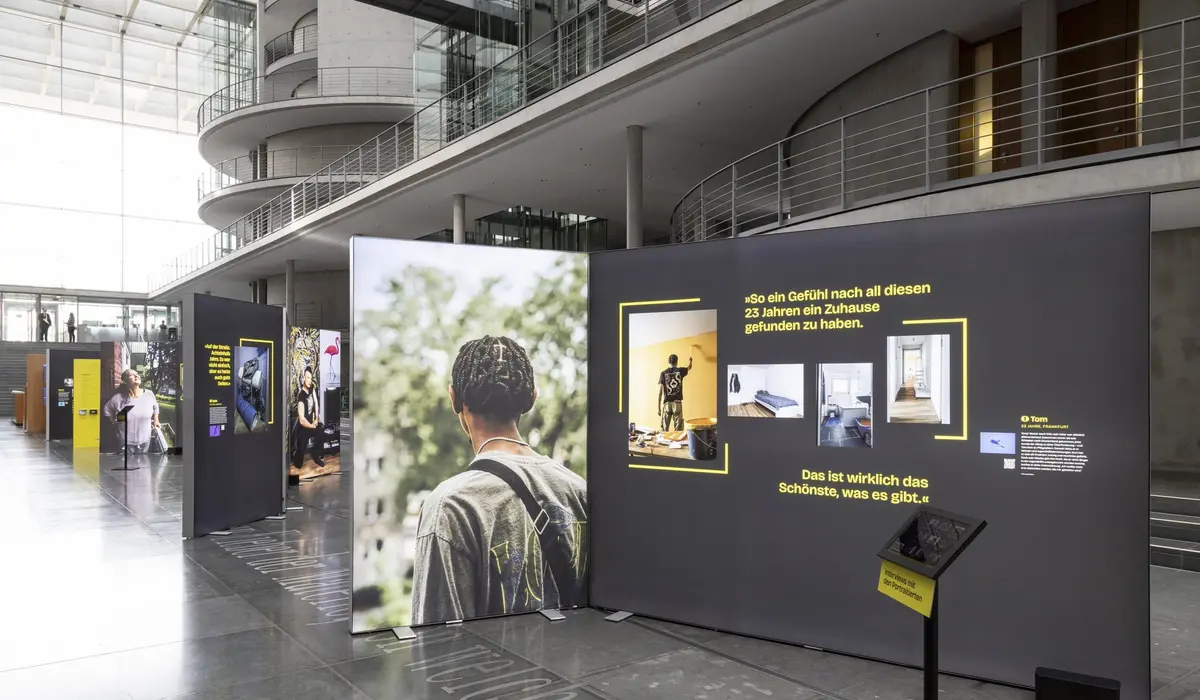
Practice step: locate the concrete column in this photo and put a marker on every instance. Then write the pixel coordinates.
(460, 219)
(262, 290)
(1039, 36)
(633, 187)
(289, 291)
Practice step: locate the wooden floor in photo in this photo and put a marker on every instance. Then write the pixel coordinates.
(913, 411)
(749, 410)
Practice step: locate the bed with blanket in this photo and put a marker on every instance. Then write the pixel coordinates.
(781, 406)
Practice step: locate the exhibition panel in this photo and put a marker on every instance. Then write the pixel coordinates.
(314, 402)
(233, 368)
(469, 412)
(60, 390)
(146, 376)
(991, 364)
(86, 405)
(35, 394)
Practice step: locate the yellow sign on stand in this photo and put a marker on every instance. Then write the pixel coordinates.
(908, 587)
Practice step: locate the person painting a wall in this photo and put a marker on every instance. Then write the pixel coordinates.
(670, 393)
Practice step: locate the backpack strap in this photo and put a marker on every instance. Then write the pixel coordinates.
(554, 550)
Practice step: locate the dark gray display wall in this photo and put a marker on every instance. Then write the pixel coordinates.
(234, 469)
(1041, 317)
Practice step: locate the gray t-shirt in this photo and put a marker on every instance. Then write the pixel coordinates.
(478, 554)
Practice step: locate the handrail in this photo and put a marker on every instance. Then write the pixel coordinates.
(298, 84)
(284, 162)
(928, 140)
(600, 33)
(290, 43)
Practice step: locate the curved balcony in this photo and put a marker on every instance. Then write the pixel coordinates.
(930, 141)
(292, 43)
(233, 121)
(236, 186)
(325, 82)
(547, 64)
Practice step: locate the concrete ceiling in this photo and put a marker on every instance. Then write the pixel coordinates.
(699, 114)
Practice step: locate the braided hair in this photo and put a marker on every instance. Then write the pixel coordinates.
(493, 376)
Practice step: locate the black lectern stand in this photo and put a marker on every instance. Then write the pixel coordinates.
(123, 418)
(913, 560)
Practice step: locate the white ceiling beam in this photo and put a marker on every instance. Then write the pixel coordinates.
(132, 9)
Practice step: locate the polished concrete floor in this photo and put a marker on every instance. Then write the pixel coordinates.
(106, 601)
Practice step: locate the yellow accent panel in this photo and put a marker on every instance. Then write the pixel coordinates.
(85, 399)
(690, 470)
(963, 321)
(621, 340)
(274, 398)
(907, 587)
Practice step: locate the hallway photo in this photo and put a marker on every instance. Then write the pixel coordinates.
(918, 379)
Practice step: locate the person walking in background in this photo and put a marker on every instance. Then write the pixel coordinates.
(508, 533)
(71, 327)
(142, 420)
(670, 393)
(43, 325)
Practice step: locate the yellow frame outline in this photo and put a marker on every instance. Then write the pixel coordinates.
(963, 321)
(690, 470)
(243, 341)
(621, 382)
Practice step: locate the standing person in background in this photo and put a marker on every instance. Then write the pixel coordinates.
(71, 327)
(43, 325)
(142, 420)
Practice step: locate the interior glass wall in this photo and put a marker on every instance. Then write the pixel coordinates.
(524, 227)
(98, 139)
(96, 319)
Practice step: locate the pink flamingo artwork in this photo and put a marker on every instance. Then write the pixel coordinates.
(333, 351)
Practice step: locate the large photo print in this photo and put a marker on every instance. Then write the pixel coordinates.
(314, 402)
(146, 377)
(469, 418)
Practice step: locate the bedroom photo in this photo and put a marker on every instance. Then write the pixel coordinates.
(673, 384)
(844, 401)
(918, 378)
(766, 391)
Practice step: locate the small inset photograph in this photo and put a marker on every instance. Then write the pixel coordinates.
(918, 369)
(844, 402)
(998, 443)
(251, 389)
(673, 384)
(766, 391)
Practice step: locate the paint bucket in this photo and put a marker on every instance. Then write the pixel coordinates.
(702, 438)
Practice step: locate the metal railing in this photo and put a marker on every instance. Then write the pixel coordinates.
(320, 82)
(601, 33)
(268, 165)
(1110, 99)
(290, 43)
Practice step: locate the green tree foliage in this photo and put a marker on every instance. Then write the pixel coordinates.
(405, 352)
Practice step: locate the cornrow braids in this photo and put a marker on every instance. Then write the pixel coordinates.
(493, 376)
